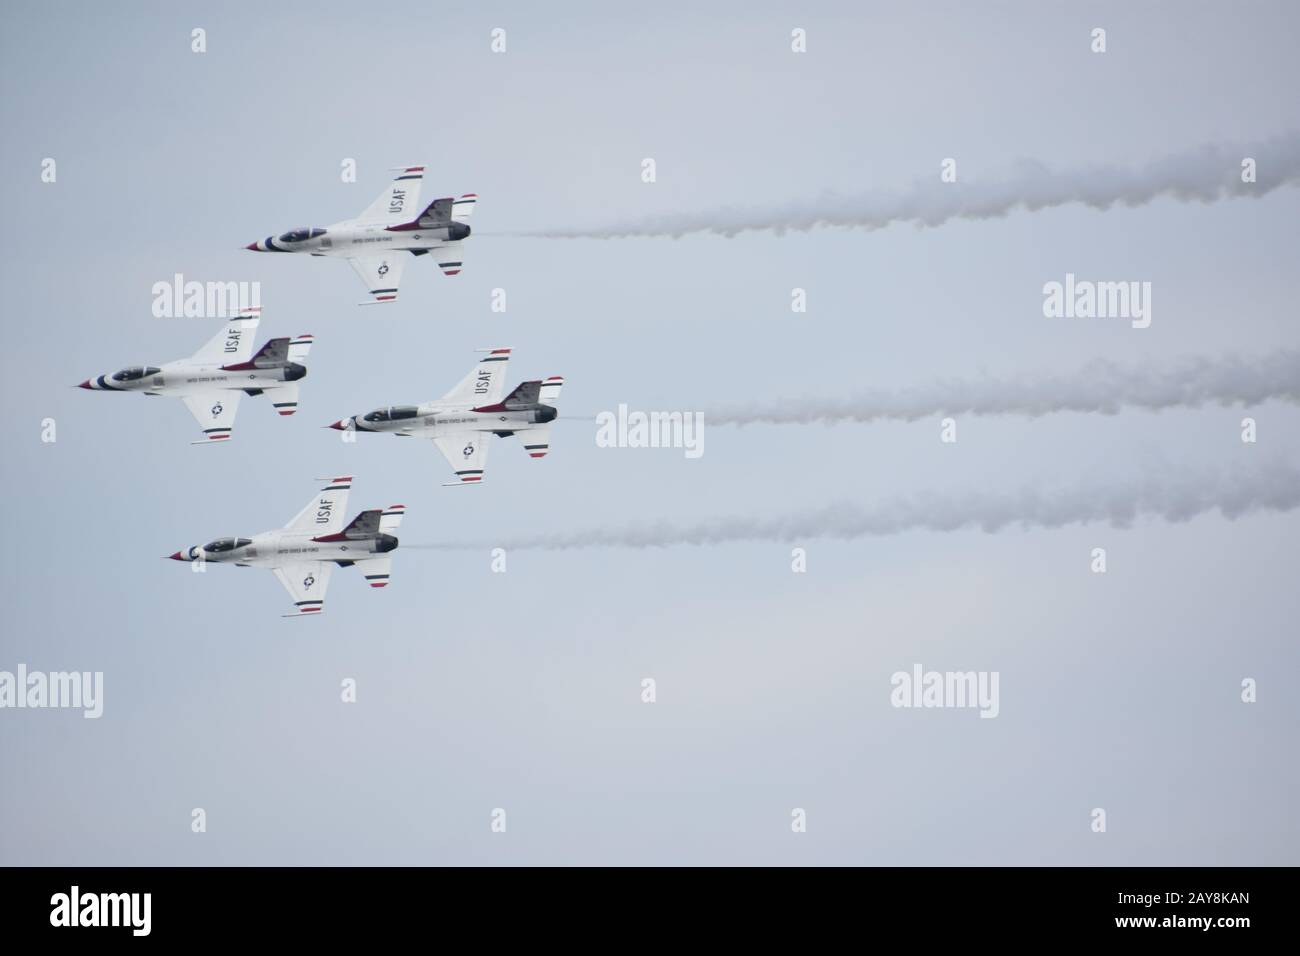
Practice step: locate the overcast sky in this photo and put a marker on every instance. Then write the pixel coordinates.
(522, 690)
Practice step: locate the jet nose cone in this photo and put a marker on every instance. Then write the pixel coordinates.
(338, 425)
(251, 247)
(177, 556)
(85, 384)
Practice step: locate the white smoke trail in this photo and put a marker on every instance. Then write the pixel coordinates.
(1205, 175)
(1173, 496)
(1101, 386)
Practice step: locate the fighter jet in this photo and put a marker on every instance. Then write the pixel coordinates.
(377, 241)
(461, 421)
(304, 552)
(213, 380)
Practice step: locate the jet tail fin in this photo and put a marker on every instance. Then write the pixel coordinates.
(525, 393)
(375, 521)
(442, 211)
(536, 392)
(274, 352)
(364, 525)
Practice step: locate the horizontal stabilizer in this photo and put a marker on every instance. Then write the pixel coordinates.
(299, 347)
(376, 571)
(537, 440)
(463, 207)
(550, 392)
(285, 398)
(391, 518)
(449, 256)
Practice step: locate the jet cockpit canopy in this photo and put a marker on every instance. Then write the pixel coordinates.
(302, 235)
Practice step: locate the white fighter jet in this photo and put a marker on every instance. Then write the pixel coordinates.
(376, 243)
(304, 552)
(213, 380)
(461, 422)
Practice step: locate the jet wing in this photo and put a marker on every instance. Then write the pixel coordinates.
(215, 412)
(233, 344)
(381, 274)
(323, 514)
(483, 384)
(466, 452)
(399, 202)
(306, 582)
